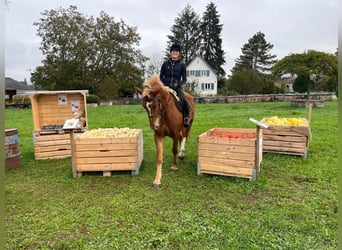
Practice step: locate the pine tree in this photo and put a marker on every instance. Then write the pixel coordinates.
(255, 55)
(186, 32)
(211, 48)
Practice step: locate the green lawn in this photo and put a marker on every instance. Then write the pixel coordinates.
(291, 206)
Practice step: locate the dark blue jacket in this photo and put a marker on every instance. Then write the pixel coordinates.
(173, 72)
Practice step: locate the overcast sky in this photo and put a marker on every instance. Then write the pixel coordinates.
(292, 26)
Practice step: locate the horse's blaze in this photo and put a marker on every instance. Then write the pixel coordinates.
(148, 108)
(154, 121)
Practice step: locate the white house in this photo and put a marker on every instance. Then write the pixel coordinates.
(202, 77)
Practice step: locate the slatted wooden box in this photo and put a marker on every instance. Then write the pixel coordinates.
(292, 140)
(52, 145)
(107, 154)
(220, 155)
(50, 110)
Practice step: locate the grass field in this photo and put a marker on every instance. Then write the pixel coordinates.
(291, 206)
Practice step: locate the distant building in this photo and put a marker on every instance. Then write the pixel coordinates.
(286, 81)
(201, 77)
(13, 87)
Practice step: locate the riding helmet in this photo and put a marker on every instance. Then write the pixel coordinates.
(176, 47)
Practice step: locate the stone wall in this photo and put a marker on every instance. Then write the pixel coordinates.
(262, 98)
(238, 98)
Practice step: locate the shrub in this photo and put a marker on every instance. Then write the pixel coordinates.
(93, 99)
(246, 81)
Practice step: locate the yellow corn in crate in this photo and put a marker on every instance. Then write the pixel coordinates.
(107, 150)
(286, 135)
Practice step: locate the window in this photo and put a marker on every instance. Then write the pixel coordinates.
(205, 72)
(198, 73)
(207, 86)
(190, 72)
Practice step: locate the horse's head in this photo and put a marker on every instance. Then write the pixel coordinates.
(151, 100)
(154, 110)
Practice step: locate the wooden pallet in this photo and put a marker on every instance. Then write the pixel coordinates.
(228, 156)
(107, 154)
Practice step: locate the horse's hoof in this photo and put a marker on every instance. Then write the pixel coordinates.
(173, 171)
(156, 186)
(181, 157)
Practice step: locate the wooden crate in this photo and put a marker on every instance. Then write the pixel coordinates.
(52, 145)
(50, 110)
(292, 140)
(107, 154)
(54, 107)
(230, 156)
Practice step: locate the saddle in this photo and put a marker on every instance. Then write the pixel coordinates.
(176, 99)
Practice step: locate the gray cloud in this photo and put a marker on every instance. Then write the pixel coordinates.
(291, 26)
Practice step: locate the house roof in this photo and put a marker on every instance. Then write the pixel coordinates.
(11, 84)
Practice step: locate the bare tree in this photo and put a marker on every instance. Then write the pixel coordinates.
(154, 64)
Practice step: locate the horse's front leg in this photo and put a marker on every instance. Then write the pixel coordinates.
(174, 151)
(159, 144)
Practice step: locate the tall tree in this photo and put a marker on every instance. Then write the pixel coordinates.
(186, 32)
(98, 54)
(211, 48)
(303, 83)
(256, 55)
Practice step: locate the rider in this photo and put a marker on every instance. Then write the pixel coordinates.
(173, 75)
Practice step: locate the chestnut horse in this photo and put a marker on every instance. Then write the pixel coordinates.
(166, 120)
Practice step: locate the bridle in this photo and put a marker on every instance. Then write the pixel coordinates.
(161, 108)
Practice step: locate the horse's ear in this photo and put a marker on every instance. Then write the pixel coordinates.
(138, 90)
